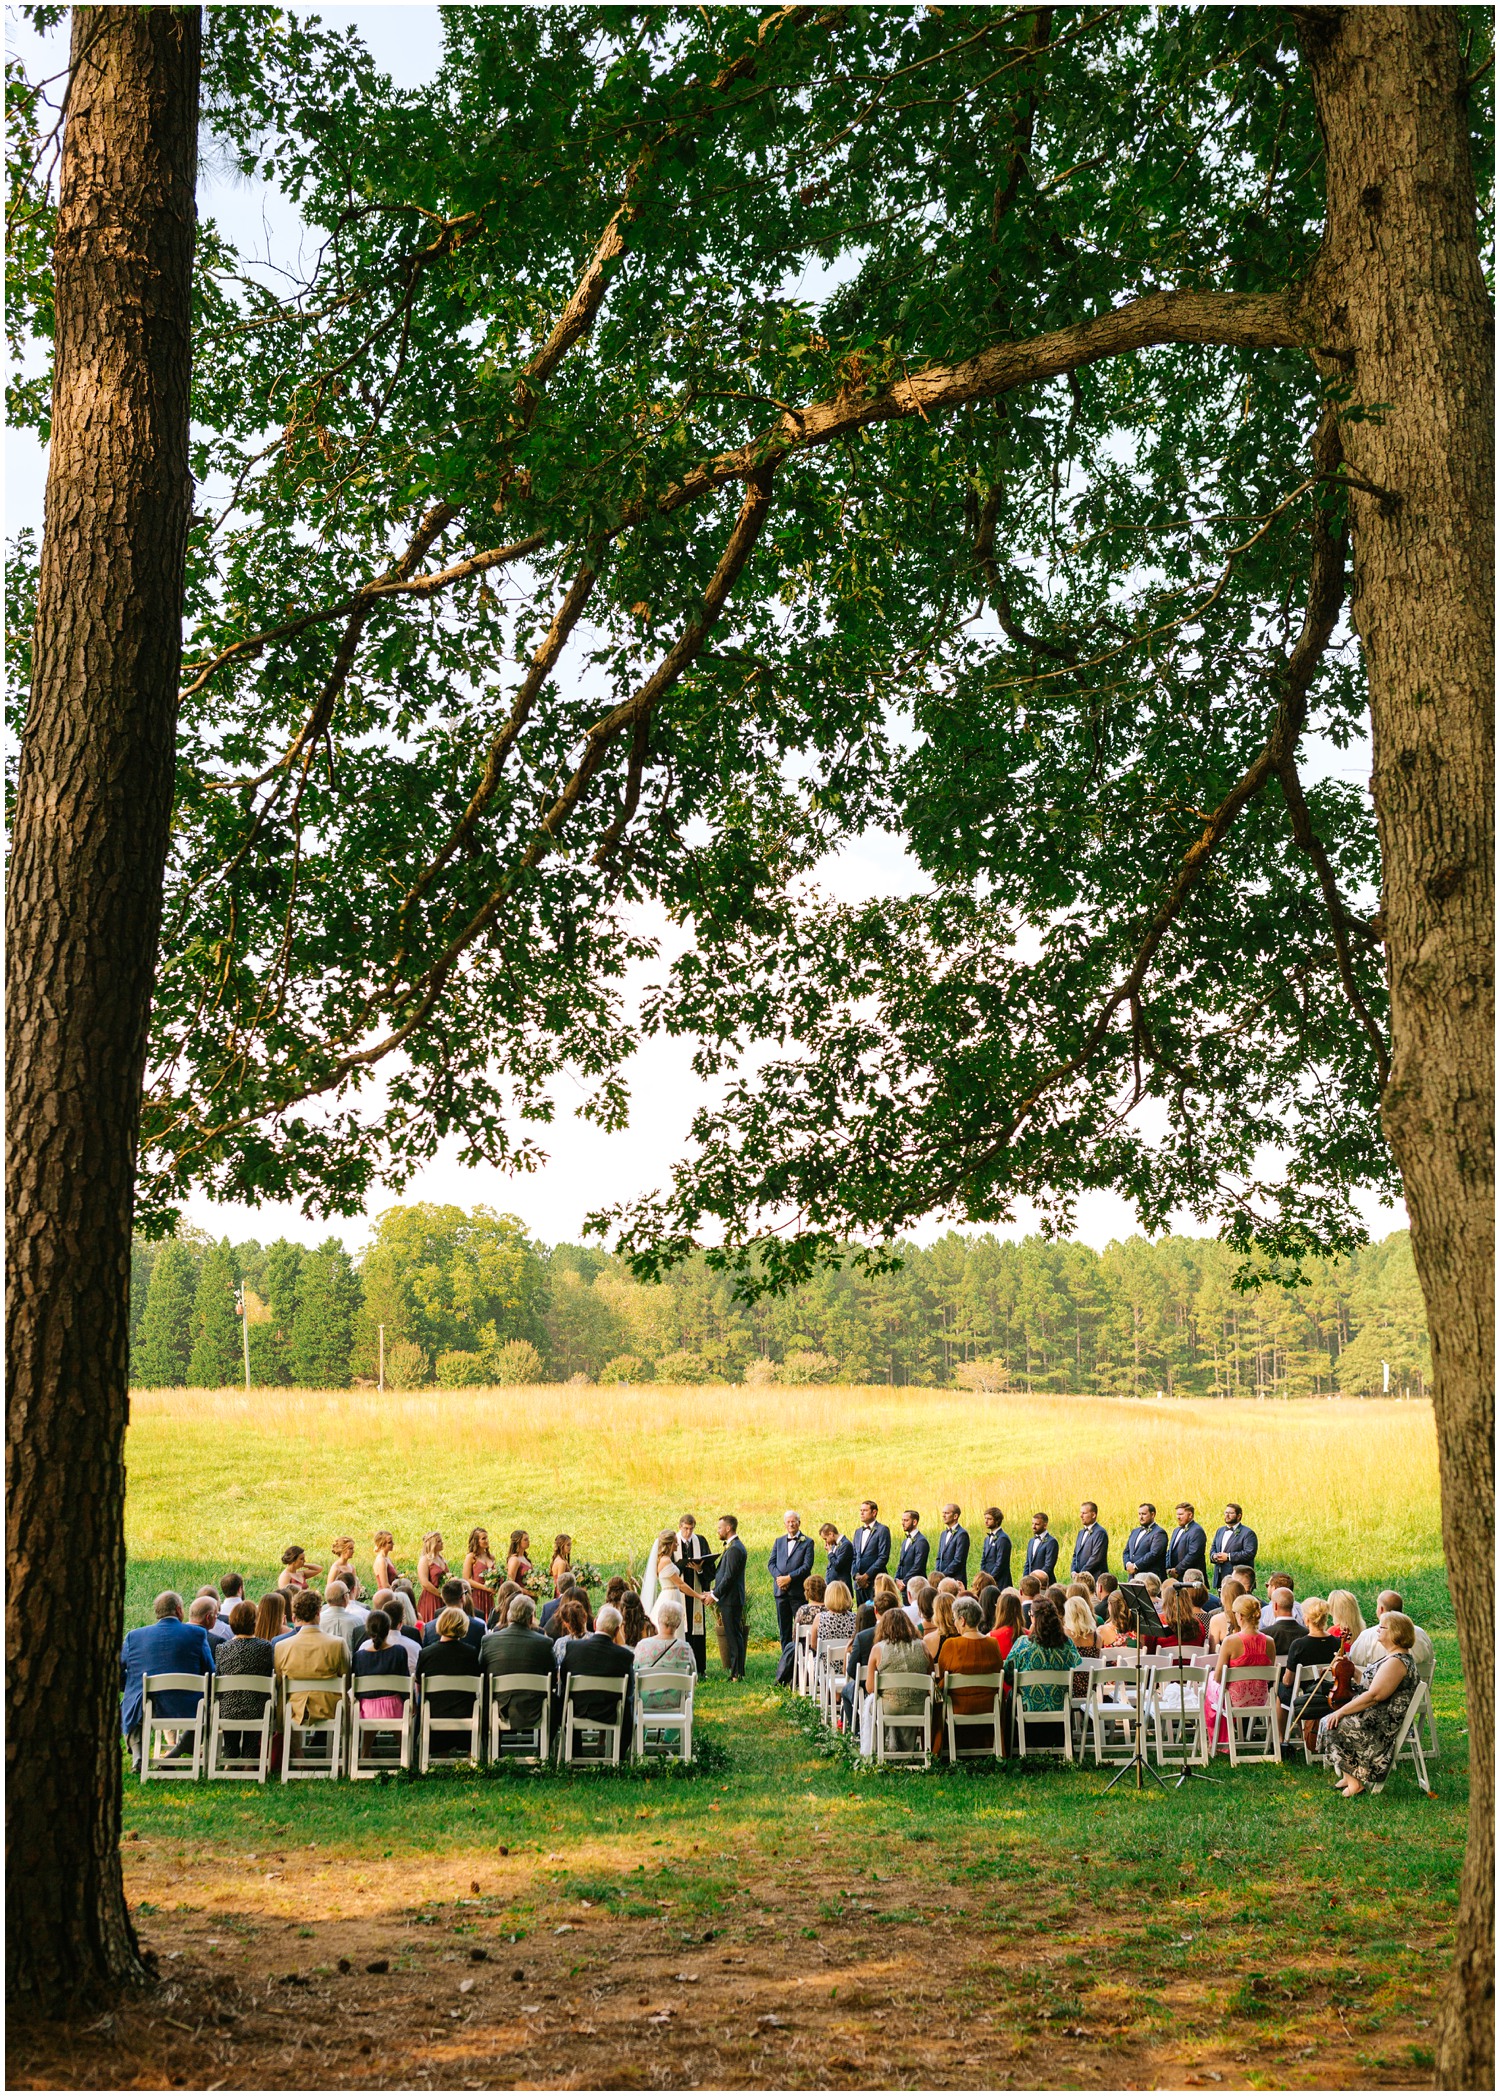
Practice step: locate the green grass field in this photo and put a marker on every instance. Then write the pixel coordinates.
(1291, 1939)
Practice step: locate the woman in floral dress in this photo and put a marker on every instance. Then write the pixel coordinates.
(1360, 1739)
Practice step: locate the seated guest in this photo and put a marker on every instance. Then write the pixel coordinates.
(1152, 1584)
(338, 1619)
(380, 1657)
(915, 1587)
(1245, 1646)
(1181, 1625)
(406, 1597)
(856, 1657)
(635, 1624)
(566, 1585)
(667, 1652)
(1313, 1648)
(1007, 1626)
(1078, 1622)
(1221, 1625)
(1058, 1596)
(1274, 1585)
(400, 1638)
(1045, 1648)
(984, 1583)
(1079, 1589)
(944, 1623)
(570, 1622)
(1032, 1584)
(271, 1618)
(166, 1646)
(505, 1594)
(518, 1648)
(204, 1611)
(1199, 1593)
(449, 1653)
(1104, 1586)
(1367, 1645)
(599, 1653)
(886, 1594)
(896, 1675)
(989, 1607)
(232, 1588)
(812, 1607)
(968, 1652)
(1345, 1616)
(452, 1591)
(1116, 1628)
(1283, 1628)
(310, 1656)
(243, 1653)
(835, 1619)
(1360, 1739)
(615, 1589)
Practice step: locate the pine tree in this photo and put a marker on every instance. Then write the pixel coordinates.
(323, 1324)
(217, 1359)
(166, 1334)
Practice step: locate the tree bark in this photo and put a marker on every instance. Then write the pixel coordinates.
(83, 905)
(1401, 314)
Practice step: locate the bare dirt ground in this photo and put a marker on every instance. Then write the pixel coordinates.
(293, 1970)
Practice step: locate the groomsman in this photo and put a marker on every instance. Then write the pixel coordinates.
(872, 1551)
(688, 1554)
(729, 1604)
(912, 1562)
(1041, 1551)
(790, 1562)
(1146, 1545)
(994, 1557)
(1234, 1546)
(840, 1554)
(953, 1549)
(1091, 1549)
(1187, 1545)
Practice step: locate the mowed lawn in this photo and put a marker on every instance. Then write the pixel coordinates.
(780, 1916)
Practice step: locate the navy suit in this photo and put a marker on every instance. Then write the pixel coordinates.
(872, 1553)
(841, 1562)
(1242, 1544)
(1187, 1547)
(994, 1557)
(1041, 1555)
(168, 1646)
(1091, 1550)
(473, 1636)
(953, 1555)
(791, 1559)
(1146, 1549)
(729, 1619)
(913, 1558)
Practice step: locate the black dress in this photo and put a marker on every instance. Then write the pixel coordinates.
(243, 1655)
(448, 1656)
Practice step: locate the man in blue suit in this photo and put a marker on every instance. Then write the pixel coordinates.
(167, 1646)
(1187, 1545)
(994, 1556)
(790, 1561)
(1041, 1551)
(840, 1555)
(1091, 1547)
(1146, 1545)
(872, 1551)
(953, 1549)
(912, 1562)
(1234, 1546)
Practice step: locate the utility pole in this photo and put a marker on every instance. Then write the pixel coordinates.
(381, 1329)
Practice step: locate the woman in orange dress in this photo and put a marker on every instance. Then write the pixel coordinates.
(386, 1571)
(432, 1570)
(479, 1571)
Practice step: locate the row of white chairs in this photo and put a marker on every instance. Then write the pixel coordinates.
(347, 1742)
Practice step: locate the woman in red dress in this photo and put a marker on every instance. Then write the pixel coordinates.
(432, 1570)
(479, 1572)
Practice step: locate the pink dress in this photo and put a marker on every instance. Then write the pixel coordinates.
(1258, 1652)
(430, 1604)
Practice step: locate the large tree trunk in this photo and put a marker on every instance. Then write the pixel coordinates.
(82, 911)
(1398, 297)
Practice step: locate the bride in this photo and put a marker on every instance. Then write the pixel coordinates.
(663, 1578)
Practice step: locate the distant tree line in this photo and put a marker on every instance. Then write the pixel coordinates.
(467, 1298)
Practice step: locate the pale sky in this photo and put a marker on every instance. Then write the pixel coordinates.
(587, 1169)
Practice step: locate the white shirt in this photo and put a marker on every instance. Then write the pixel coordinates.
(1268, 1616)
(1367, 1646)
(344, 1623)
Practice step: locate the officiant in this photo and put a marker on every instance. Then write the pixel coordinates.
(695, 1563)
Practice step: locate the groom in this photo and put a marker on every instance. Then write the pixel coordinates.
(692, 1557)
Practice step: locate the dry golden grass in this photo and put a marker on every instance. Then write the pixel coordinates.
(1331, 1487)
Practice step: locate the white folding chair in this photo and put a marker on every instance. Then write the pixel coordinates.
(329, 1732)
(803, 1658)
(576, 1729)
(1110, 1703)
(526, 1742)
(1309, 1679)
(368, 1757)
(1426, 1675)
(1021, 1718)
(1177, 1713)
(890, 1724)
(830, 1671)
(1253, 1729)
(973, 1721)
(673, 1716)
(169, 1766)
(471, 1685)
(246, 1763)
(1409, 1742)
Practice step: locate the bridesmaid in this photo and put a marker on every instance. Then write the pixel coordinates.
(341, 1566)
(296, 1572)
(432, 1570)
(518, 1564)
(562, 1558)
(479, 1572)
(386, 1571)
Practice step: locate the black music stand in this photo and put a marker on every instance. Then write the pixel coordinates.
(1140, 1613)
